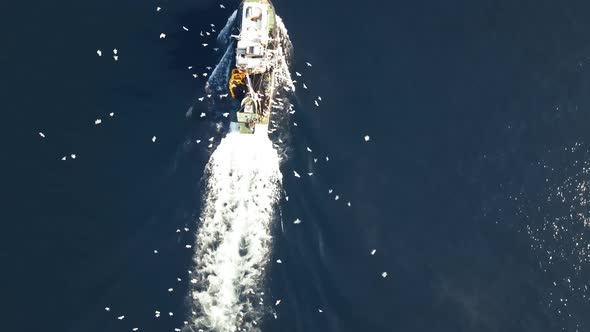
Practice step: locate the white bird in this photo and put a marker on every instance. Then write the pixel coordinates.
(158, 9)
(205, 45)
(320, 98)
(195, 75)
(111, 114)
(316, 103)
(304, 86)
(170, 289)
(297, 73)
(73, 155)
(162, 35)
(373, 252)
(279, 261)
(63, 158)
(278, 302)
(107, 309)
(154, 139)
(221, 6)
(367, 138)
(115, 51)
(202, 98)
(308, 64)
(41, 134)
(348, 204)
(384, 274)
(99, 52)
(185, 28)
(198, 141)
(297, 221)
(155, 251)
(225, 114)
(116, 57)
(203, 114)
(296, 174)
(310, 174)
(121, 317)
(336, 197)
(308, 149)
(97, 121)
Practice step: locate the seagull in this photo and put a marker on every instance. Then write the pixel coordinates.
(162, 35)
(297, 221)
(41, 134)
(99, 52)
(185, 28)
(296, 174)
(297, 73)
(308, 64)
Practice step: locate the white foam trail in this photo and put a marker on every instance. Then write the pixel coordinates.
(234, 239)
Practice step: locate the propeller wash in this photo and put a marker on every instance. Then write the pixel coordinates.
(243, 178)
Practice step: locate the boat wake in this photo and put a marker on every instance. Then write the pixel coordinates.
(243, 188)
(234, 239)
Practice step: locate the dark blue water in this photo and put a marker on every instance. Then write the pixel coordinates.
(472, 188)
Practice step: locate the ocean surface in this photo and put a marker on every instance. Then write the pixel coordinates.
(473, 188)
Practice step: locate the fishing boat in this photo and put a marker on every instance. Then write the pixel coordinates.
(252, 80)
